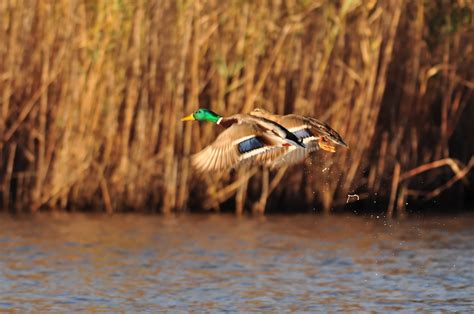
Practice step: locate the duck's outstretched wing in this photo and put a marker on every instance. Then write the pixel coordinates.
(240, 143)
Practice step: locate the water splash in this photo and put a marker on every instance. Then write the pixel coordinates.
(352, 198)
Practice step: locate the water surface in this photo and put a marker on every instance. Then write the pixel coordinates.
(133, 263)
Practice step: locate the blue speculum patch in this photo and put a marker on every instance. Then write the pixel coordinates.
(301, 134)
(249, 145)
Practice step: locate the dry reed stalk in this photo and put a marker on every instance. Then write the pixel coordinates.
(459, 174)
(267, 188)
(6, 184)
(226, 192)
(393, 191)
(259, 207)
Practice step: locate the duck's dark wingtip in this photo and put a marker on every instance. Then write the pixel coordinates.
(341, 142)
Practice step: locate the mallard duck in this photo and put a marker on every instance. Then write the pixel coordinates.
(312, 132)
(247, 139)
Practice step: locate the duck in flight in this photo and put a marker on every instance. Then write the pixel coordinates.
(248, 139)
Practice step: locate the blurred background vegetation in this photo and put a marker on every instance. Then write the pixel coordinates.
(91, 93)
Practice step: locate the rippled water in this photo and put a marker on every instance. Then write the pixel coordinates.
(132, 263)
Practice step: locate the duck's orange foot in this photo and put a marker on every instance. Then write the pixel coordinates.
(325, 145)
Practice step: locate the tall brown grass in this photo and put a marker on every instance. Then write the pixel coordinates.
(91, 93)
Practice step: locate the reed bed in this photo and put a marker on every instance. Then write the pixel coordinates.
(91, 93)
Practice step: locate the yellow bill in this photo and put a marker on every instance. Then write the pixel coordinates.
(188, 118)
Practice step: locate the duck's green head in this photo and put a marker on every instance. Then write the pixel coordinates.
(203, 115)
